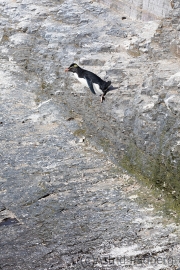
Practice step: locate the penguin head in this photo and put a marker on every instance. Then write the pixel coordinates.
(72, 68)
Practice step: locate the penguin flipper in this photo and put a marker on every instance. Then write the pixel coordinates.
(89, 82)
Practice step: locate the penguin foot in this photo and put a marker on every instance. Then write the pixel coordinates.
(102, 98)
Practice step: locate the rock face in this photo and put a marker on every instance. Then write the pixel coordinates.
(141, 9)
(64, 204)
(139, 122)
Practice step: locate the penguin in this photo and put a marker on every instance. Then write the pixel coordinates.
(91, 80)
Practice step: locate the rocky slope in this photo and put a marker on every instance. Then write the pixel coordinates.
(139, 122)
(64, 204)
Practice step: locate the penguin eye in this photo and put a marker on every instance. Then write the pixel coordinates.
(74, 65)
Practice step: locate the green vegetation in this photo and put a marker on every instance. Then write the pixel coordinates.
(157, 173)
(79, 132)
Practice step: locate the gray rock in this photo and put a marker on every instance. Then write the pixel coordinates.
(64, 203)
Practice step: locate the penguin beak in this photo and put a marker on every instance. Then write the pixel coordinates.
(66, 70)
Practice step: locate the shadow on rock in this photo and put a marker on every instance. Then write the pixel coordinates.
(111, 88)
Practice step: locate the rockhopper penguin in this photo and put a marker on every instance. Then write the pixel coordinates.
(91, 80)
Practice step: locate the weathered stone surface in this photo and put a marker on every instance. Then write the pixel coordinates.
(142, 9)
(52, 38)
(64, 204)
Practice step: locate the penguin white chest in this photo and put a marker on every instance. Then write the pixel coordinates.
(83, 81)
